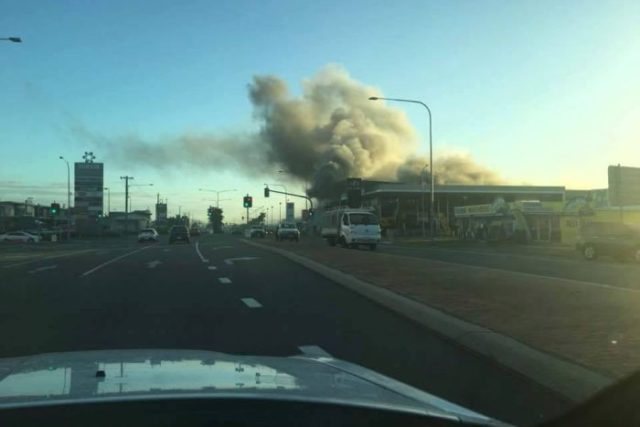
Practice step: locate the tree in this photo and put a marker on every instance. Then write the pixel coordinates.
(215, 219)
(258, 220)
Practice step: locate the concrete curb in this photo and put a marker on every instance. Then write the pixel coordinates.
(568, 379)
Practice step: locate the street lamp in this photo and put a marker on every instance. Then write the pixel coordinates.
(412, 101)
(11, 39)
(108, 200)
(68, 193)
(218, 192)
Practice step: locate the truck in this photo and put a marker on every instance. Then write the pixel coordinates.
(350, 228)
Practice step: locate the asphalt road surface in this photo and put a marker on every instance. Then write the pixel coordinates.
(219, 294)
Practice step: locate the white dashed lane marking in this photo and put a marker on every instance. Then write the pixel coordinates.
(224, 280)
(251, 303)
(49, 267)
(212, 267)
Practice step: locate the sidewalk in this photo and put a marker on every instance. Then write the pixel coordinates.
(589, 325)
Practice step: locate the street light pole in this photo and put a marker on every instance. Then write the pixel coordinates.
(412, 101)
(108, 200)
(68, 195)
(218, 192)
(126, 202)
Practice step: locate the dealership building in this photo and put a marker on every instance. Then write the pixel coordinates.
(496, 212)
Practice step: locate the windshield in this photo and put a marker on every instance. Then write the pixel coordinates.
(445, 192)
(362, 219)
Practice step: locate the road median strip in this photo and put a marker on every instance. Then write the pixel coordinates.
(564, 377)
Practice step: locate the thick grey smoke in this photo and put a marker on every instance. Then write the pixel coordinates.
(454, 168)
(332, 131)
(328, 133)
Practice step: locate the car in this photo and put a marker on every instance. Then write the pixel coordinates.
(195, 231)
(255, 231)
(19, 237)
(148, 234)
(609, 239)
(287, 231)
(179, 233)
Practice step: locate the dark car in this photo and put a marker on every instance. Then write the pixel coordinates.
(179, 233)
(195, 231)
(609, 239)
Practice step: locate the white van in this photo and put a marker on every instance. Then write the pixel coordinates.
(351, 227)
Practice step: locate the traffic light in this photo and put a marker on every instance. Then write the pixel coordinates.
(266, 191)
(54, 209)
(310, 213)
(247, 201)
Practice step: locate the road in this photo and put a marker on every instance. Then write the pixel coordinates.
(219, 294)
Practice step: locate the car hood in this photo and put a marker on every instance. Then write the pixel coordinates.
(76, 377)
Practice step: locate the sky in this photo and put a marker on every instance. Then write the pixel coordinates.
(541, 92)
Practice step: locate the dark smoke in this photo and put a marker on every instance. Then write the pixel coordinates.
(449, 169)
(328, 133)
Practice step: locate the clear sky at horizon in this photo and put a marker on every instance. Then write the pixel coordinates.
(543, 92)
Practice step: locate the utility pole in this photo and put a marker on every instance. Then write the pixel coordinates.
(126, 202)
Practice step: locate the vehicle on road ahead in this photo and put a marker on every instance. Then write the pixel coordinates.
(351, 227)
(195, 231)
(148, 234)
(255, 231)
(287, 231)
(609, 239)
(179, 233)
(19, 237)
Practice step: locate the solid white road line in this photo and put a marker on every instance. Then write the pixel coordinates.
(251, 303)
(230, 261)
(224, 280)
(104, 264)
(200, 253)
(221, 247)
(212, 267)
(49, 267)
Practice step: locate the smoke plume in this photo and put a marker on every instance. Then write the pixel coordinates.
(328, 133)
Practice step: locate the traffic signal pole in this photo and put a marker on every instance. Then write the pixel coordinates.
(267, 190)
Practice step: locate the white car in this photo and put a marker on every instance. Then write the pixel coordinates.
(19, 237)
(148, 234)
(287, 231)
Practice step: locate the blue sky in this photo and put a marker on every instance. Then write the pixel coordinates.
(543, 92)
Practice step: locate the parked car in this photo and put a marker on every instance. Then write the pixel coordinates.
(148, 234)
(609, 239)
(179, 233)
(287, 231)
(255, 231)
(19, 237)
